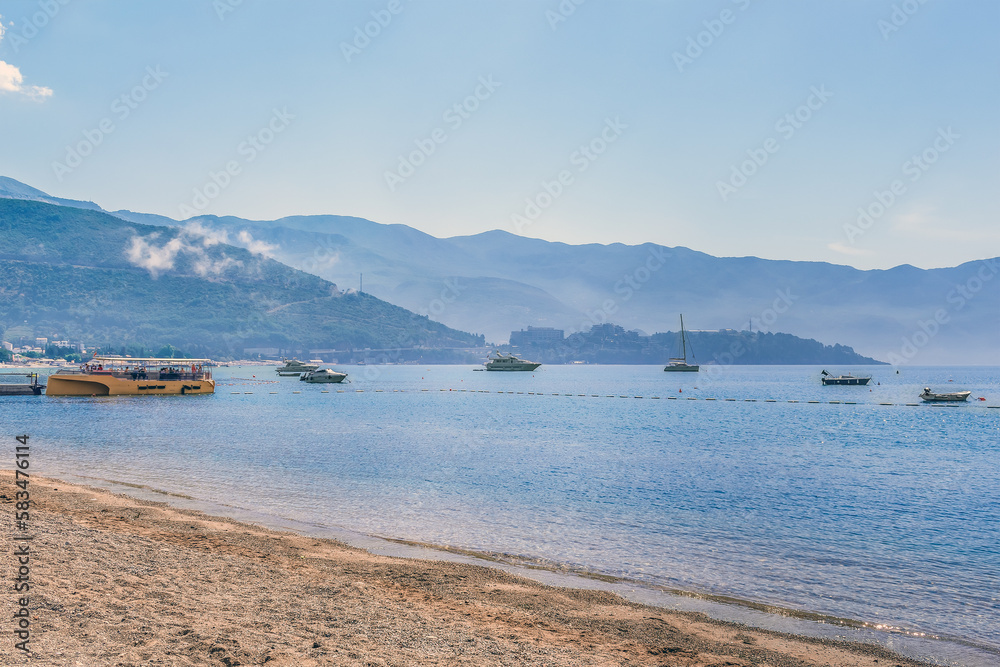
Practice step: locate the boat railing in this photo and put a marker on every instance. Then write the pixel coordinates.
(141, 373)
(162, 375)
(32, 377)
(70, 370)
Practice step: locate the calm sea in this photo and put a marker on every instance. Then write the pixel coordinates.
(884, 514)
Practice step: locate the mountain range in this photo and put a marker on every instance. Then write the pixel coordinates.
(86, 275)
(495, 281)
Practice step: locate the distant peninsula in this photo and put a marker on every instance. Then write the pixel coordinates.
(612, 344)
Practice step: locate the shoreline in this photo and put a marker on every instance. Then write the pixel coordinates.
(903, 641)
(122, 580)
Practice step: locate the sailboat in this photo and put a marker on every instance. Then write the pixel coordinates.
(680, 363)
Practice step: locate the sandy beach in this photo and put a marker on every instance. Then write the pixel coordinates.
(120, 581)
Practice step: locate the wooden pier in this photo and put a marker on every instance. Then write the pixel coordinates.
(30, 389)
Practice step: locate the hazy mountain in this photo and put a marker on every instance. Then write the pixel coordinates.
(496, 282)
(84, 274)
(11, 189)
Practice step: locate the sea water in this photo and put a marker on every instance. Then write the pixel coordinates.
(848, 502)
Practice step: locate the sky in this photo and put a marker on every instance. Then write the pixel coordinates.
(854, 132)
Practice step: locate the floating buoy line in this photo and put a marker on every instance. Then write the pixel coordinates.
(619, 396)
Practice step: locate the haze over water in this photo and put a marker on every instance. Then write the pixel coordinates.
(885, 514)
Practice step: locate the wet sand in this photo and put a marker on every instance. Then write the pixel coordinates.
(121, 581)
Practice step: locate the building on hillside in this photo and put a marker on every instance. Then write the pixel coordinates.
(606, 330)
(263, 351)
(536, 336)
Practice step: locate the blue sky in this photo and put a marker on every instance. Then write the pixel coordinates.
(861, 133)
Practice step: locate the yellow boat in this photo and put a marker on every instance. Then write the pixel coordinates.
(107, 375)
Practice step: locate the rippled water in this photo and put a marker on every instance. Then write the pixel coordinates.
(887, 514)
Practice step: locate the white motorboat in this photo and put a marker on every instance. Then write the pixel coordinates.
(294, 367)
(508, 362)
(325, 375)
(947, 397)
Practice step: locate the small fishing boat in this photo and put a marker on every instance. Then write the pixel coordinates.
(947, 397)
(844, 379)
(325, 375)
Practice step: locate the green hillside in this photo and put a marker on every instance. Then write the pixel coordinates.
(88, 276)
(612, 344)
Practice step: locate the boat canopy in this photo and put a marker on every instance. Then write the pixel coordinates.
(148, 361)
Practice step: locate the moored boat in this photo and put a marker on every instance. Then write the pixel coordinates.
(844, 379)
(946, 397)
(508, 362)
(324, 375)
(107, 375)
(680, 363)
(294, 367)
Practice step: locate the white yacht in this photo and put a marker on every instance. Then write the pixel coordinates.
(508, 362)
(294, 367)
(325, 375)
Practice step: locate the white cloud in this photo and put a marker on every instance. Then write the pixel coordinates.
(244, 238)
(205, 265)
(209, 237)
(256, 247)
(918, 220)
(848, 249)
(924, 222)
(192, 239)
(154, 259)
(11, 81)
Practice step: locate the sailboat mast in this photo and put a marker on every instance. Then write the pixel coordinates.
(684, 351)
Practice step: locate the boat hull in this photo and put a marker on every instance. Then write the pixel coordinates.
(510, 367)
(686, 368)
(325, 378)
(846, 381)
(95, 385)
(947, 398)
